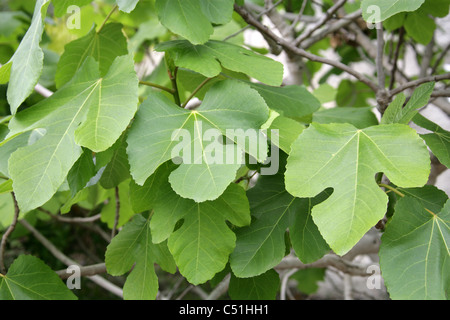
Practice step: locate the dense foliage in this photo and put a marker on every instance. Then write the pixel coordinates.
(152, 145)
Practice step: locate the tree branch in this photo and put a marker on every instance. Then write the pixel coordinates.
(341, 23)
(289, 47)
(329, 260)
(67, 261)
(328, 15)
(418, 82)
(85, 271)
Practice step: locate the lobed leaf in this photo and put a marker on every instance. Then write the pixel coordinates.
(347, 159)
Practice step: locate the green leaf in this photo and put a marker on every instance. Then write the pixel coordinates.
(27, 62)
(283, 132)
(290, 101)
(218, 11)
(209, 58)
(133, 246)
(262, 287)
(186, 18)
(8, 146)
(6, 207)
(6, 186)
(261, 246)
(353, 94)
(61, 6)
(375, 11)
(396, 113)
(346, 159)
(429, 196)
(125, 209)
(437, 8)
(29, 278)
(211, 240)
(359, 117)
(87, 99)
(307, 279)
(81, 172)
(414, 252)
(154, 138)
(420, 27)
(438, 140)
(103, 46)
(204, 226)
(127, 5)
(117, 170)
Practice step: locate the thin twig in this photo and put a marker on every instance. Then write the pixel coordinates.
(284, 283)
(196, 91)
(8, 233)
(440, 58)
(380, 54)
(71, 220)
(257, 17)
(155, 85)
(401, 36)
(334, 27)
(220, 289)
(329, 260)
(107, 18)
(328, 15)
(418, 82)
(299, 16)
(426, 59)
(116, 219)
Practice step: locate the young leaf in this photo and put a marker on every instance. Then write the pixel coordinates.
(160, 124)
(103, 46)
(438, 140)
(29, 278)
(209, 58)
(347, 159)
(27, 62)
(396, 113)
(88, 99)
(414, 253)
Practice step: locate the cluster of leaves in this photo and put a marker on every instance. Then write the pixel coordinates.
(102, 137)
